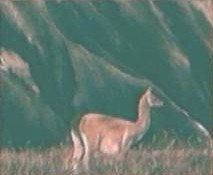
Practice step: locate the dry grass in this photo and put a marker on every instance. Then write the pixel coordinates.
(141, 161)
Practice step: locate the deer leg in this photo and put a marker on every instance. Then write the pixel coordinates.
(77, 151)
(86, 152)
(124, 146)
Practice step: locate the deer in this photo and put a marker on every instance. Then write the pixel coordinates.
(112, 136)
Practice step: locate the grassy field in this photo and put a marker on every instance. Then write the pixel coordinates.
(171, 160)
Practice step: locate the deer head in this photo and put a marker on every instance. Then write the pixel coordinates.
(152, 99)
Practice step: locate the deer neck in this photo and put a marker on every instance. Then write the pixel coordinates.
(143, 119)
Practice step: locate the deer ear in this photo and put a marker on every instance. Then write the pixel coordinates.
(149, 90)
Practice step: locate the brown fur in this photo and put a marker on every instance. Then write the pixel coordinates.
(113, 136)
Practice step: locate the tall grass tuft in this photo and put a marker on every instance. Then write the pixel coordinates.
(144, 160)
